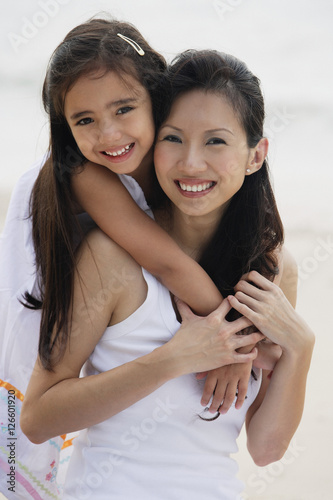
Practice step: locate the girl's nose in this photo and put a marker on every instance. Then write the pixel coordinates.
(109, 132)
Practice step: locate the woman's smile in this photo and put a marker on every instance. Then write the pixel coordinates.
(194, 188)
(201, 153)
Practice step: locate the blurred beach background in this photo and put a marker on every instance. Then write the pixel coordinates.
(289, 45)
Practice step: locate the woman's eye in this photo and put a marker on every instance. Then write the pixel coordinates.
(124, 110)
(171, 138)
(85, 121)
(216, 140)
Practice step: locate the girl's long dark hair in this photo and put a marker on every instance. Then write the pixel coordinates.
(251, 230)
(91, 46)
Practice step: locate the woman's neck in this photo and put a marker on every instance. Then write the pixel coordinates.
(191, 233)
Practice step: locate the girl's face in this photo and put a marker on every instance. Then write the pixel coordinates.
(111, 120)
(201, 154)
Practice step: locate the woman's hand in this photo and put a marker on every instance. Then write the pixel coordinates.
(266, 306)
(205, 343)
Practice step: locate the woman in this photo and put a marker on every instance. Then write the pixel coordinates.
(146, 435)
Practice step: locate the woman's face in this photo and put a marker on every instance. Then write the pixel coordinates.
(201, 154)
(111, 120)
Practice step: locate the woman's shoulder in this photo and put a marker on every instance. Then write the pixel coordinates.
(111, 275)
(105, 252)
(101, 262)
(288, 275)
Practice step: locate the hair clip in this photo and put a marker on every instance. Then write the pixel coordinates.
(135, 45)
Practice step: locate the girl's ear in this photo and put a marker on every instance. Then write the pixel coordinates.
(257, 156)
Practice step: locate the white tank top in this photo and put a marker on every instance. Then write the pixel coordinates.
(159, 448)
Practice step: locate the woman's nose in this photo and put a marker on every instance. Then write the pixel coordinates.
(192, 161)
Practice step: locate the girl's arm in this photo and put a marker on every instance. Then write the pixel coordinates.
(276, 413)
(58, 401)
(100, 193)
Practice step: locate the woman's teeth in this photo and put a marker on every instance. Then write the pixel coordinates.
(120, 152)
(196, 188)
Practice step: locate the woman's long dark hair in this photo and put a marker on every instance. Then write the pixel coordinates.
(92, 46)
(251, 230)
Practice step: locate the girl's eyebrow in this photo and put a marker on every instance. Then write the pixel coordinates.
(120, 102)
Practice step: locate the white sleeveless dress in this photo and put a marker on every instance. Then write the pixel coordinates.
(38, 470)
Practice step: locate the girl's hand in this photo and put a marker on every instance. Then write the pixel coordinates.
(266, 306)
(205, 343)
(268, 355)
(224, 384)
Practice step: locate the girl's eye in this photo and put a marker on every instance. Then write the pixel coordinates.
(85, 121)
(216, 140)
(171, 138)
(124, 110)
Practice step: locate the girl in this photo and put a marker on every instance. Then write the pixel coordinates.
(145, 434)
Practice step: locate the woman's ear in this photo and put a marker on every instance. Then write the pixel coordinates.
(257, 156)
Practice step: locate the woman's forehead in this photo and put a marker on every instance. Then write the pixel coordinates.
(208, 109)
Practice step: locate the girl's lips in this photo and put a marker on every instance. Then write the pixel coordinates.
(116, 155)
(194, 188)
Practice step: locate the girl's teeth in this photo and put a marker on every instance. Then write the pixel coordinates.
(196, 188)
(120, 152)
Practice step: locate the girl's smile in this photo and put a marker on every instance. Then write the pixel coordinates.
(110, 117)
(119, 153)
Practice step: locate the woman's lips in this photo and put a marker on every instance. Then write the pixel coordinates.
(194, 188)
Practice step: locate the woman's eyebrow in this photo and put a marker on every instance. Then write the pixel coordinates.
(119, 102)
(210, 131)
(222, 129)
(171, 126)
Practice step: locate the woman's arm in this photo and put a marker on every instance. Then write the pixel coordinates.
(275, 415)
(58, 401)
(100, 193)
